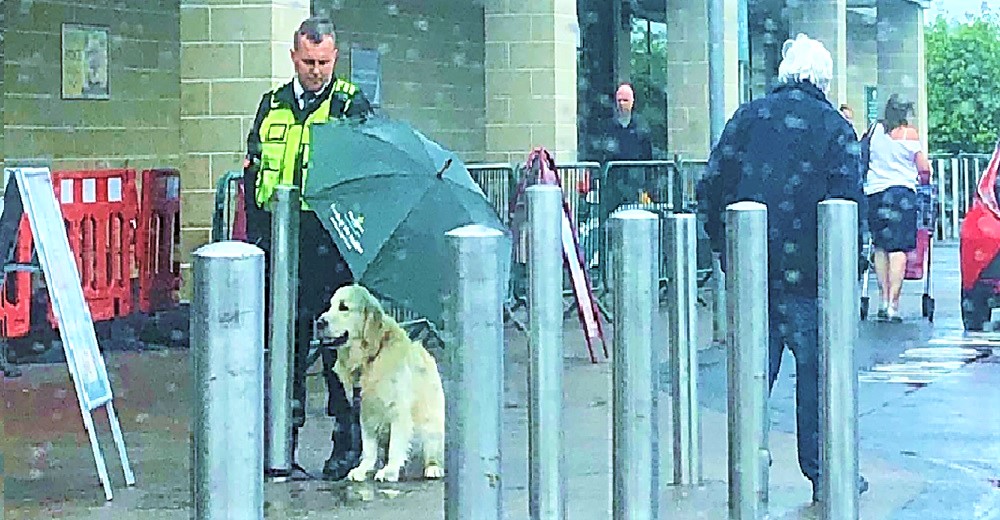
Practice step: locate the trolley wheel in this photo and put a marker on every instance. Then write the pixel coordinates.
(864, 308)
(927, 307)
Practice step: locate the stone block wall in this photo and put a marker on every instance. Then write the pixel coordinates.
(232, 52)
(136, 127)
(531, 73)
(862, 64)
(432, 60)
(688, 122)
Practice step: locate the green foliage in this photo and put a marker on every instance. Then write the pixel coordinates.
(963, 75)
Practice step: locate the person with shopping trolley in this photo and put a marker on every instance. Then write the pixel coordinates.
(896, 165)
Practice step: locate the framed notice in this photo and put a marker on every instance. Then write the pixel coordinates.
(84, 62)
(366, 73)
(871, 104)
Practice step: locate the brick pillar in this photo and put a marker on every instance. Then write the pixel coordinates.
(531, 79)
(231, 53)
(622, 42)
(902, 67)
(687, 74)
(826, 21)
(862, 65)
(767, 30)
(731, 52)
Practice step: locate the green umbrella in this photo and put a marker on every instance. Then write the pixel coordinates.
(387, 195)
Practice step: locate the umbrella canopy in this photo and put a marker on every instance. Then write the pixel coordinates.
(387, 195)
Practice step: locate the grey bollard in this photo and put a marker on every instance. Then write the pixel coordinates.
(474, 362)
(280, 358)
(227, 347)
(746, 288)
(682, 299)
(719, 307)
(546, 464)
(838, 332)
(635, 489)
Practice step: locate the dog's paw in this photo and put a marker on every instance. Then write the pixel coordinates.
(434, 472)
(358, 474)
(387, 474)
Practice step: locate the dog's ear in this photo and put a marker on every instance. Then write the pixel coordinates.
(372, 325)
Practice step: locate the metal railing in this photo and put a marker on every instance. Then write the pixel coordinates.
(670, 186)
(226, 194)
(498, 181)
(655, 186)
(581, 184)
(663, 187)
(956, 177)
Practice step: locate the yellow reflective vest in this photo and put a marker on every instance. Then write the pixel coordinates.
(285, 142)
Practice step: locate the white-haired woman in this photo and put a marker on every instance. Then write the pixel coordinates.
(790, 150)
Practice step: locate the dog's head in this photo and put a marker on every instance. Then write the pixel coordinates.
(355, 318)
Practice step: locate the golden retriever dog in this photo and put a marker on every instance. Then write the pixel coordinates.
(401, 392)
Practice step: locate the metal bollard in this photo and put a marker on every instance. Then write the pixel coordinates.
(719, 312)
(474, 361)
(682, 298)
(227, 347)
(838, 332)
(280, 353)
(547, 472)
(636, 237)
(746, 285)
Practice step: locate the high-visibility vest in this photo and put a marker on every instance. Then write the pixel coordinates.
(285, 142)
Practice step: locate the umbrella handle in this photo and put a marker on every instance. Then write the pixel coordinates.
(447, 164)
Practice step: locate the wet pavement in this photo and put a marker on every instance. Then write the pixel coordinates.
(930, 436)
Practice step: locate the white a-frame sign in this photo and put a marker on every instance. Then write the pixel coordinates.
(76, 327)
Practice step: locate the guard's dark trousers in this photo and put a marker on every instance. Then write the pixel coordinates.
(322, 271)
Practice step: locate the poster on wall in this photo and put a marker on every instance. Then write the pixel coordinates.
(871, 104)
(84, 62)
(366, 73)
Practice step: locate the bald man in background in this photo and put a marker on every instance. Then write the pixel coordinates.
(627, 135)
(625, 138)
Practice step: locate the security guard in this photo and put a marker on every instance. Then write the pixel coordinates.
(278, 147)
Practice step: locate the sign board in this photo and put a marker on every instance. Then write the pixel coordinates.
(540, 166)
(84, 62)
(366, 73)
(871, 105)
(76, 326)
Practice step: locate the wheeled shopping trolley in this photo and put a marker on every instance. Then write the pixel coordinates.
(918, 261)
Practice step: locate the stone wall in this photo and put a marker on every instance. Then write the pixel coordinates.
(136, 127)
(432, 56)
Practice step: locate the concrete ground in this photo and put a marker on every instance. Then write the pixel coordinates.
(49, 471)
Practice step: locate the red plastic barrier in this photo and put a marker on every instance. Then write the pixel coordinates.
(15, 292)
(100, 209)
(159, 240)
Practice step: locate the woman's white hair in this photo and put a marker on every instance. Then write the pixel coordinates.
(806, 59)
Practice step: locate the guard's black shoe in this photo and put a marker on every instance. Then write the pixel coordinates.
(340, 464)
(862, 487)
(346, 454)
